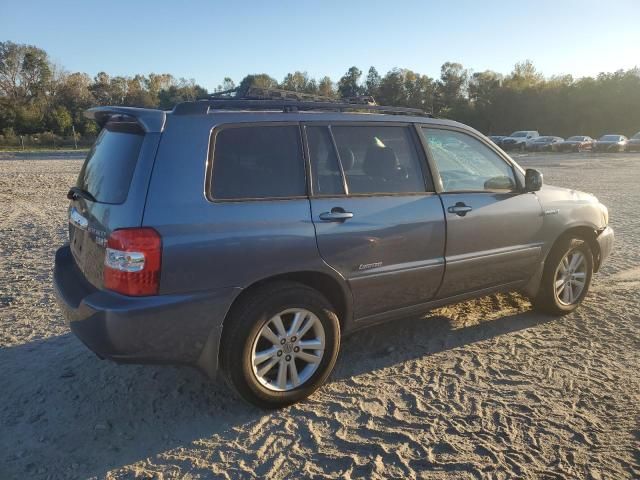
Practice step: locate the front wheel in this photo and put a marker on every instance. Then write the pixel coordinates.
(566, 277)
(280, 345)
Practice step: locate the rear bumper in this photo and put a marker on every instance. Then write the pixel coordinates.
(605, 241)
(176, 329)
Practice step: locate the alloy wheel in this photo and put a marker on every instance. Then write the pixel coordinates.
(288, 349)
(570, 277)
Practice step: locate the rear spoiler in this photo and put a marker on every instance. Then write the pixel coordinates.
(151, 121)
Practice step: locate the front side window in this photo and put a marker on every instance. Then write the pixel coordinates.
(379, 159)
(257, 162)
(466, 164)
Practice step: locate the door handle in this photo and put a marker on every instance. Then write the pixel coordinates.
(460, 209)
(337, 214)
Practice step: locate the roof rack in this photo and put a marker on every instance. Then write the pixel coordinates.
(287, 101)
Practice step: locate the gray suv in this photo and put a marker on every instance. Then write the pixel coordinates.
(249, 236)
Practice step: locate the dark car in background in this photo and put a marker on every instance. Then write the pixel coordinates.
(633, 144)
(519, 140)
(576, 143)
(611, 143)
(544, 144)
(497, 139)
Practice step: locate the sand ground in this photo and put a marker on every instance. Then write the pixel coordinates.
(482, 389)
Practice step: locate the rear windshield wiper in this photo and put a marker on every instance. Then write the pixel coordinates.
(75, 192)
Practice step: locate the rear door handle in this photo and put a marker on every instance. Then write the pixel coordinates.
(460, 209)
(336, 214)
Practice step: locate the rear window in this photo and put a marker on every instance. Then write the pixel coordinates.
(108, 168)
(258, 162)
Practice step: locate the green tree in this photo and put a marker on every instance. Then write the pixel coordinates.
(24, 71)
(259, 80)
(299, 82)
(372, 83)
(325, 87)
(348, 85)
(60, 120)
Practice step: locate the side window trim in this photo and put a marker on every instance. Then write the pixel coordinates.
(208, 180)
(433, 165)
(428, 179)
(311, 191)
(343, 175)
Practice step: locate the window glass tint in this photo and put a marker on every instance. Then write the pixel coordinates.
(465, 163)
(107, 171)
(258, 162)
(379, 159)
(325, 171)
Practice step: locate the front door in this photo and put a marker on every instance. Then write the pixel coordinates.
(493, 229)
(378, 221)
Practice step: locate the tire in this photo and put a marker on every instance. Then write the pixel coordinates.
(243, 341)
(548, 299)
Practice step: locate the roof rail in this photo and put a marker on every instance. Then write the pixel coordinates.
(287, 101)
(203, 107)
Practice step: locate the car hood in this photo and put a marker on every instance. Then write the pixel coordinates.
(560, 193)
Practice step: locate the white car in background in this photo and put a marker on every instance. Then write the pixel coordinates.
(519, 140)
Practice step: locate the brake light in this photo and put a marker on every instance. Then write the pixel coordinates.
(132, 261)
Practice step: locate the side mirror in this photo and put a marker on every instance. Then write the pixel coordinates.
(532, 180)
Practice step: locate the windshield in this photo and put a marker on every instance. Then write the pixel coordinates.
(108, 168)
(543, 139)
(636, 136)
(610, 138)
(519, 134)
(575, 139)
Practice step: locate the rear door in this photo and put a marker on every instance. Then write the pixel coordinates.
(493, 230)
(378, 220)
(110, 191)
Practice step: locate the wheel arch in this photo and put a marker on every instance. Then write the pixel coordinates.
(585, 232)
(336, 291)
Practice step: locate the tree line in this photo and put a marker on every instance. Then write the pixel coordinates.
(37, 96)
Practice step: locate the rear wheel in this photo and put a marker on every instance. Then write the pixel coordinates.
(280, 345)
(566, 278)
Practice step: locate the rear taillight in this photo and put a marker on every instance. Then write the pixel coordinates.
(132, 261)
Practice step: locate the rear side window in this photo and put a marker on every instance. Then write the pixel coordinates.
(257, 162)
(379, 159)
(108, 168)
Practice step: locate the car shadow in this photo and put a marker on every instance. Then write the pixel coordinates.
(67, 414)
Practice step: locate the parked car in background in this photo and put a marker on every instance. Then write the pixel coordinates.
(611, 143)
(544, 144)
(497, 139)
(633, 144)
(576, 143)
(519, 140)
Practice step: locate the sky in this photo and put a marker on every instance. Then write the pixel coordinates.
(208, 40)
